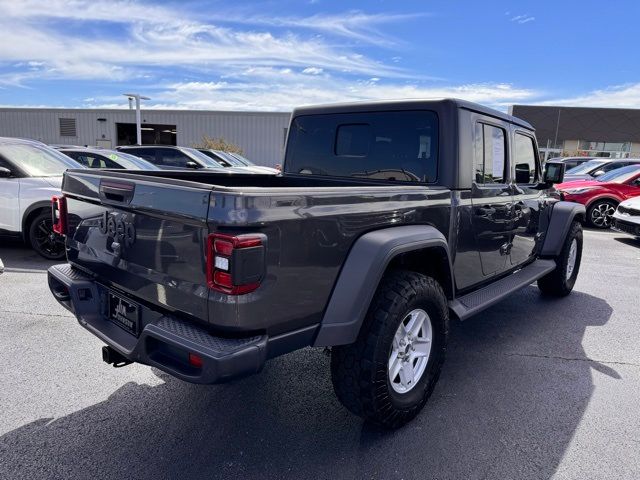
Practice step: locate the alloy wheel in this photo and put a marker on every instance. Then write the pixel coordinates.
(46, 241)
(601, 214)
(410, 351)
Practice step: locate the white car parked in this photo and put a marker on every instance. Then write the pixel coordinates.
(626, 219)
(30, 174)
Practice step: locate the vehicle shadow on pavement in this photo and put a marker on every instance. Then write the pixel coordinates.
(17, 256)
(631, 241)
(513, 391)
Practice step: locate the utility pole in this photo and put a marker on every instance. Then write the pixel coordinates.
(555, 140)
(137, 97)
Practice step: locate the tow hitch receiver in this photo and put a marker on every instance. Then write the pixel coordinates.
(112, 356)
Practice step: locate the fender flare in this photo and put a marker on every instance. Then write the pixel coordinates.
(361, 274)
(39, 205)
(562, 216)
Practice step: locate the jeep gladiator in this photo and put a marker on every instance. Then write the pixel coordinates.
(389, 219)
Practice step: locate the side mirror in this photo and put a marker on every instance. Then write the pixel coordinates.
(553, 173)
(597, 173)
(522, 173)
(192, 164)
(5, 172)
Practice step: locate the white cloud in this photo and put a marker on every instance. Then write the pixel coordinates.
(619, 96)
(157, 37)
(266, 90)
(521, 19)
(278, 63)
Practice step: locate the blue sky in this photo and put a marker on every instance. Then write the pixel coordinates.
(275, 55)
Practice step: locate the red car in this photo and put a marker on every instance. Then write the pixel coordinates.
(602, 195)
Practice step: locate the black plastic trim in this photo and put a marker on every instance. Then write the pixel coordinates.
(478, 300)
(562, 216)
(361, 274)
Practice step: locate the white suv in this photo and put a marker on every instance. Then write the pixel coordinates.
(30, 174)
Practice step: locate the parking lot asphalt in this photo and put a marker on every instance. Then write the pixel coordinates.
(531, 388)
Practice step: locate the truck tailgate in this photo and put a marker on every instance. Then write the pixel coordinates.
(142, 237)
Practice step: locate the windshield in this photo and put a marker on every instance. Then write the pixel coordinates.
(215, 158)
(620, 175)
(242, 159)
(231, 158)
(202, 158)
(586, 167)
(37, 160)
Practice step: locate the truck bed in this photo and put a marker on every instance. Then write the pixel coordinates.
(309, 224)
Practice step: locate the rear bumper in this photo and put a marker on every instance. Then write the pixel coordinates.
(164, 341)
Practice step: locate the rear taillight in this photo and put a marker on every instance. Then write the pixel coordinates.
(235, 264)
(59, 214)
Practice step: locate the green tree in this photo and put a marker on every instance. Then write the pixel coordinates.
(218, 144)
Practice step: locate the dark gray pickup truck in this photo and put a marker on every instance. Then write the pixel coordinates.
(388, 219)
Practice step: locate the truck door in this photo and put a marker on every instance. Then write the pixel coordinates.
(491, 196)
(526, 199)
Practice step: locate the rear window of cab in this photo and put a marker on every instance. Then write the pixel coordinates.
(396, 146)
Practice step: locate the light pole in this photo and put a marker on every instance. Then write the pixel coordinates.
(137, 98)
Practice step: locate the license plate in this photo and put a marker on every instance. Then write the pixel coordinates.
(124, 313)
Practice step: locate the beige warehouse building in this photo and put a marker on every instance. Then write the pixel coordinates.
(261, 135)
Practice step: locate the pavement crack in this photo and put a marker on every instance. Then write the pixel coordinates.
(570, 359)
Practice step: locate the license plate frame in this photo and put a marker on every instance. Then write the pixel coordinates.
(124, 313)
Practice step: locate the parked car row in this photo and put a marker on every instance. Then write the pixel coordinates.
(31, 173)
(597, 167)
(602, 195)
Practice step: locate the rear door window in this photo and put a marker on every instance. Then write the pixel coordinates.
(490, 157)
(398, 146)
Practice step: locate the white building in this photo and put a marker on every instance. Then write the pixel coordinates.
(261, 135)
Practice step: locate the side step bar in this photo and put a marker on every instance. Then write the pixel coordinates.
(474, 302)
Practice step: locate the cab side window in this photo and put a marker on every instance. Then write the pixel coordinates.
(525, 159)
(490, 154)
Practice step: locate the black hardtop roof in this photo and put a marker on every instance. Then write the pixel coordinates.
(408, 104)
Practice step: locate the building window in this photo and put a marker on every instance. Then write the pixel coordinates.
(68, 127)
(605, 146)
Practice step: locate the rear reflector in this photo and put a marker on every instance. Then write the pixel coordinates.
(195, 360)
